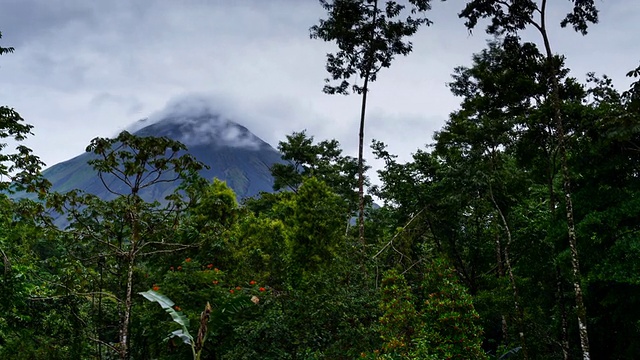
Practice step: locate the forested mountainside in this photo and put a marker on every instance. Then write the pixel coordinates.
(515, 234)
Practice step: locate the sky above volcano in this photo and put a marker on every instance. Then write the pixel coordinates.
(83, 69)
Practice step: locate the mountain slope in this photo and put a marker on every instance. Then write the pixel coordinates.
(234, 155)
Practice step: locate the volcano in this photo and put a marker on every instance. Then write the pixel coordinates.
(232, 152)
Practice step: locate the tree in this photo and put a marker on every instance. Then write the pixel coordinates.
(35, 323)
(323, 160)
(321, 308)
(500, 92)
(512, 17)
(478, 195)
(117, 234)
(438, 323)
(368, 36)
(606, 157)
(399, 321)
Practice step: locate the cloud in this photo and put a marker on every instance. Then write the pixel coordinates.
(203, 119)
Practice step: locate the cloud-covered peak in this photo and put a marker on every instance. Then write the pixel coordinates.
(197, 120)
(188, 106)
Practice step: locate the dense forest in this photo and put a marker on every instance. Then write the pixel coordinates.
(515, 234)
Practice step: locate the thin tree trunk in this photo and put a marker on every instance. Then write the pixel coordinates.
(505, 329)
(131, 258)
(564, 331)
(126, 316)
(361, 162)
(507, 262)
(499, 256)
(365, 90)
(573, 244)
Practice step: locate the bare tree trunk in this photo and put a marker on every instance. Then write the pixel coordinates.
(573, 243)
(131, 258)
(507, 262)
(361, 162)
(564, 331)
(365, 90)
(126, 316)
(505, 328)
(499, 256)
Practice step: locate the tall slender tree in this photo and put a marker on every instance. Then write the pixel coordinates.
(512, 17)
(369, 34)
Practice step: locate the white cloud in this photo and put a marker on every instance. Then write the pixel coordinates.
(203, 119)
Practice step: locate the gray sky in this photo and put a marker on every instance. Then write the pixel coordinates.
(91, 68)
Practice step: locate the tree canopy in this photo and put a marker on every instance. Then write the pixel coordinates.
(513, 235)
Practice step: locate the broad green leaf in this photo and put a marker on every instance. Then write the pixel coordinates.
(177, 317)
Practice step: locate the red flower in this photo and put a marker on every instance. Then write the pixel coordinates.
(187, 259)
(262, 289)
(177, 308)
(179, 268)
(252, 282)
(238, 288)
(171, 268)
(231, 291)
(215, 282)
(209, 266)
(155, 287)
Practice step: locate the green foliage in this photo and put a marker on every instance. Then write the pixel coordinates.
(400, 319)
(315, 218)
(323, 160)
(332, 320)
(177, 316)
(369, 35)
(485, 196)
(517, 15)
(141, 162)
(259, 249)
(226, 310)
(439, 323)
(111, 237)
(216, 206)
(451, 328)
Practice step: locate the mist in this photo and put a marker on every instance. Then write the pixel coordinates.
(203, 119)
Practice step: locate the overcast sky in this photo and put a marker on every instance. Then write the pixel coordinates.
(83, 68)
